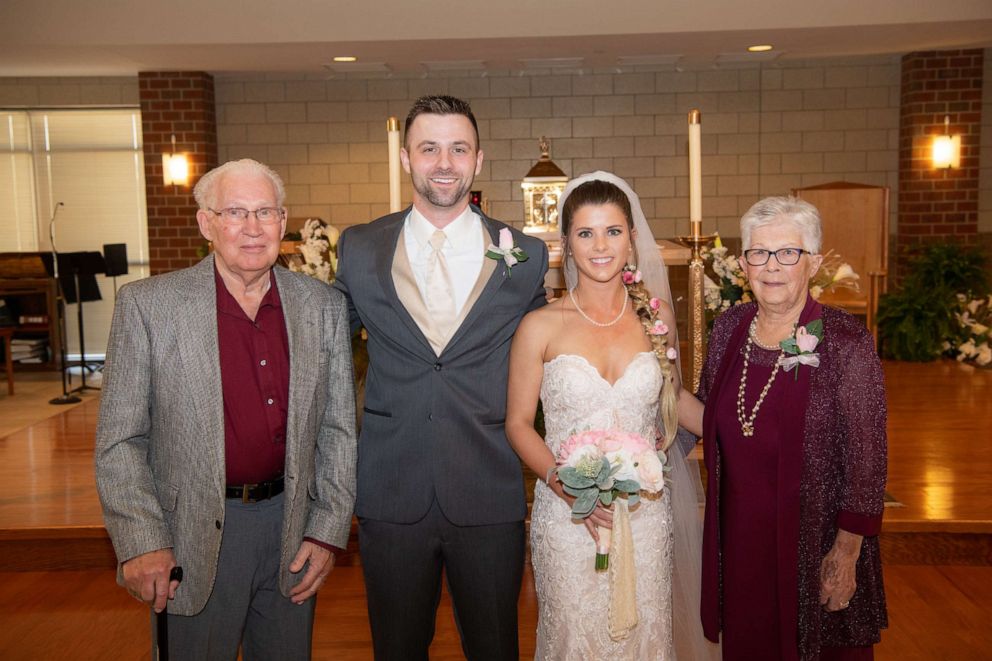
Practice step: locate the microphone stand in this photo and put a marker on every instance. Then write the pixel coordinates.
(65, 397)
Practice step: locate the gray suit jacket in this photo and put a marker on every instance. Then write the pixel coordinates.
(160, 436)
(433, 426)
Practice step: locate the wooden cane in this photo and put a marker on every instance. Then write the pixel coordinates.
(160, 629)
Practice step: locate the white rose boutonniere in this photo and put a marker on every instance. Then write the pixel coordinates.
(506, 251)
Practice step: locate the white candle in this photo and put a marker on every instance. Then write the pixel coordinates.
(393, 133)
(695, 174)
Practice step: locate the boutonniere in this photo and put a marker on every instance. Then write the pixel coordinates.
(506, 251)
(799, 349)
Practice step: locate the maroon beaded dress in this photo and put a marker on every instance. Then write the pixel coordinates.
(749, 491)
(775, 500)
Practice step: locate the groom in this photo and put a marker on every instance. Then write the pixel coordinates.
(438, 485)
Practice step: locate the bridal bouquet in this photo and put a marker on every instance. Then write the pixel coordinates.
(601, 466)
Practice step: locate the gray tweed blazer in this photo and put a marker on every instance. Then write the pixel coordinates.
(160, 436)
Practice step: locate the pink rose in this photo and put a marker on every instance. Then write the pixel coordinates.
(505, 239)
(659, 328)
(671, 353)
(654, 303)
(806, 341)
(631, 277)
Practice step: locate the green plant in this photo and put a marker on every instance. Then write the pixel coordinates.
(916, 320)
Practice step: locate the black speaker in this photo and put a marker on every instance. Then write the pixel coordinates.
(115, 256)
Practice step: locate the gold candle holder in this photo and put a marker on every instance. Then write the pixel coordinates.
(697, 303)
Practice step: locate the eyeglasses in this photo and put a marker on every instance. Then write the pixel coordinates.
(784, 256)
(238, 216)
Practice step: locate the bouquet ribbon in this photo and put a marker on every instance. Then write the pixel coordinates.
(811, 359)
(622, 615)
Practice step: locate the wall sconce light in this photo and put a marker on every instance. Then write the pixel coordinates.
(175, 167)
(946, 150)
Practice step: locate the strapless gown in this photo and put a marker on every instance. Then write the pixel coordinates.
(573, 599)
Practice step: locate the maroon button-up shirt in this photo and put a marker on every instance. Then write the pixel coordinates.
(254, 373)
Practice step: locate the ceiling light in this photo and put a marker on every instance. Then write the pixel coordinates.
(759, 48)
(345, 58)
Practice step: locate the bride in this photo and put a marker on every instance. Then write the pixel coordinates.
(604, 357)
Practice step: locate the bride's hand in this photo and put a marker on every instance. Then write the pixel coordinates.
(600, 516)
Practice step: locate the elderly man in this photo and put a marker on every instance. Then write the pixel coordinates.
(226, 438)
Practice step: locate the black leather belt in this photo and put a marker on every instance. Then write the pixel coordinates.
(252, 493)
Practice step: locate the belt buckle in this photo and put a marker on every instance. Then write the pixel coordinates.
(245, 490)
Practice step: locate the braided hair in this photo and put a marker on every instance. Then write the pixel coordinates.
(647, 308)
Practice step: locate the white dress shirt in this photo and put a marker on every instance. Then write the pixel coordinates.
(464, 249)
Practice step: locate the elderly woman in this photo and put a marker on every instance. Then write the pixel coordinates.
(795, 451)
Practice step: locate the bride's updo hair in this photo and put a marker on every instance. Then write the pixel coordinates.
(598, 192)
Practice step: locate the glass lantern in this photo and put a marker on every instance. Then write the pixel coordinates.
(543, 185)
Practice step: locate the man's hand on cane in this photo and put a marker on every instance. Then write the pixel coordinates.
(146, 577)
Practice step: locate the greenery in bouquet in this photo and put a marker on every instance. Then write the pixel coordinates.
(601, 466)
(919, 321)
(319, 243)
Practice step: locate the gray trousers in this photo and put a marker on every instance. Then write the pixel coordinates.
(245, 607)
(403, 565)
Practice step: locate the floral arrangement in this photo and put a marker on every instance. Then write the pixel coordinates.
(971, 340)
(733, 288)
(318, 247)
(601, 466)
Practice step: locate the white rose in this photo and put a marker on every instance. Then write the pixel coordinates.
(651, 474)
(625, 460)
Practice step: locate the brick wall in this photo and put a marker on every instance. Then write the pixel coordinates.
(939, 205)
(180, 104)
(765, 131)
(985, 169)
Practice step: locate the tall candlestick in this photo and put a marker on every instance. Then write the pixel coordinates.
(393, 133)
(695, 175)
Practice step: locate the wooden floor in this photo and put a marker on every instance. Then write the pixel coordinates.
(938, 573)
(935, 613)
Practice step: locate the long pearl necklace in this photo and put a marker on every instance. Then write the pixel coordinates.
(747, 423)
(623, 308)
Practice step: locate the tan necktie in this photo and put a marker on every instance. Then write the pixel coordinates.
(440, 294)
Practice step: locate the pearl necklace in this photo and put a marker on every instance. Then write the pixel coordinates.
(623, 309)
(752, 333)
(747, 423)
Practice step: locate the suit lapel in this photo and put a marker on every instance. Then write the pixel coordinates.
(196, 340)
(303, 332)
(385, 253)
(491, 278)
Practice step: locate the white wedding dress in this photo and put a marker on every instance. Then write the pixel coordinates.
(573, 598)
